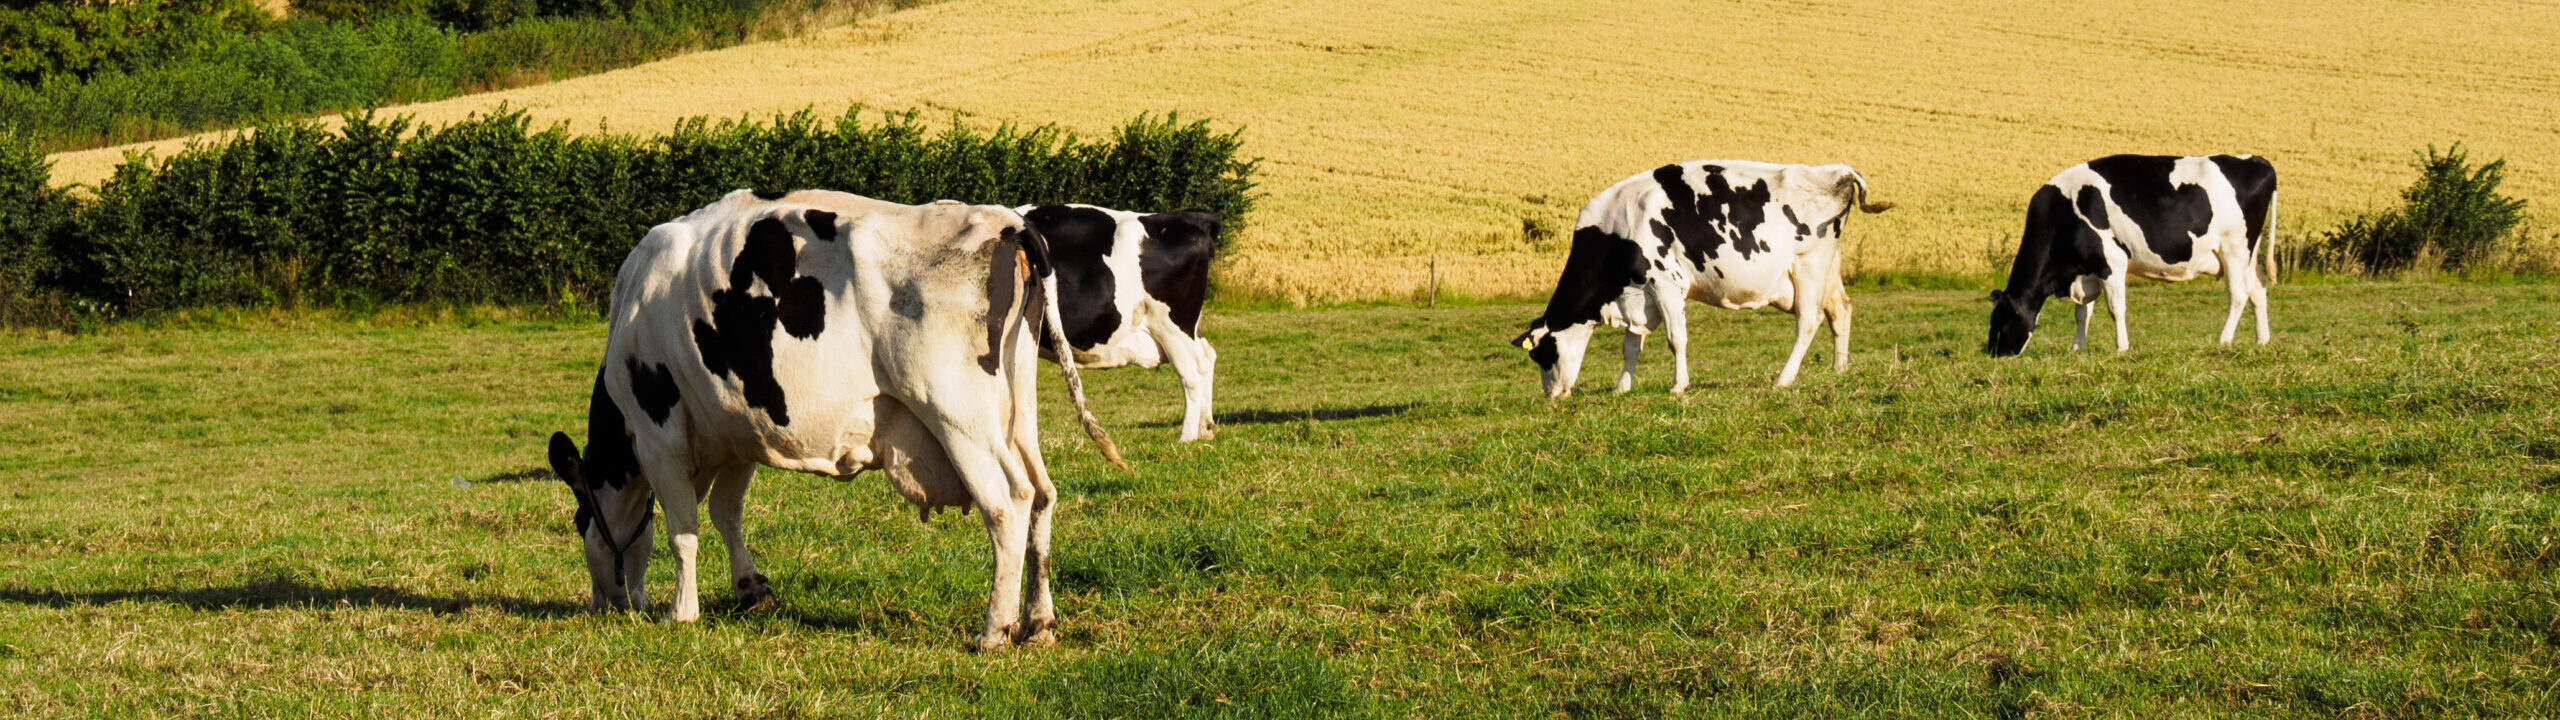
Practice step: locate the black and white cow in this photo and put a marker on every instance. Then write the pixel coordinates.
(1731, 233)
(1130, 288)
(825, 333)
(2154, 216)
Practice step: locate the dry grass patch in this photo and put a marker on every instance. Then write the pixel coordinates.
(1397, 130)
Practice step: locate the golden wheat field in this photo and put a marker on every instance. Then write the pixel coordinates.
(1394, 131)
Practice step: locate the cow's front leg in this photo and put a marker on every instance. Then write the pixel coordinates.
(1631, 346)
(728, 501)
(684, 525)
(2115, 309)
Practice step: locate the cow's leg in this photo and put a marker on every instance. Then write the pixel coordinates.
(1631, 346)
(670, 475)
(728, 501)
(1039, 611)
(1671, 311)
(1003, 491)
(2258, 300)
(1836, 304)
(2236, 279)
(2115, 308)
(1809, 281)
(2080, 318)
(1191, 360)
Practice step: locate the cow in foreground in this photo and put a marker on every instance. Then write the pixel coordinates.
(1130, 288)
(825, 333)
(2159, 217)
(1731, 233)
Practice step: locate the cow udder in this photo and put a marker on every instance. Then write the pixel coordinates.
(916, 463)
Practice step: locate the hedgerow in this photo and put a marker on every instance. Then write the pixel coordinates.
(492, 209)
(90, 73)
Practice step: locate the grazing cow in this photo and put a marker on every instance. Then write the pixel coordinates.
(2160, 217)
(1731, 233)
(825, 333)
(1130, 288)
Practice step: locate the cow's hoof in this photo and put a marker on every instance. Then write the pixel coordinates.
(754, 594)
(995, 640)
(1037, 633)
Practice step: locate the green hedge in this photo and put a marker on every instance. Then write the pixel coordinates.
(172, 78)
(492, 209)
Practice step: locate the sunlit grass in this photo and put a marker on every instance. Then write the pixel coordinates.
(289, 515)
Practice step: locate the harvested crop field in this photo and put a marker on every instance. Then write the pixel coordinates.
(1396, 130)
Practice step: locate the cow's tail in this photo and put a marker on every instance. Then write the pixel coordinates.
(1057, 336)
(1864, 204)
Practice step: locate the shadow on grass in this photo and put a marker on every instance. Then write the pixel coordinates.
(1264, 417)
(290, 593)
(526, 475)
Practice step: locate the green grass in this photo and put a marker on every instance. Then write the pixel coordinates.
(259, 516)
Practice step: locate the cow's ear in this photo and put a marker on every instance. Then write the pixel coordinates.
(1999, 296)
(1523, 341)
(564, 460)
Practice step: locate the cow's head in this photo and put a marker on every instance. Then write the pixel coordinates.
(1558, 353)
(2013, 318)
(613, 504)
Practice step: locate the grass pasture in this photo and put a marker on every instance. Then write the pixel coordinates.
(1400, 130)
(292, 515)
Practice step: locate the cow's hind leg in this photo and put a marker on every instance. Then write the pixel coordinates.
(1039, 610)
(1671, 311)
(1808, 310)
(1195, 364)
(1003, 491)
(728, 501)
(1836, 304)
(2236, 279)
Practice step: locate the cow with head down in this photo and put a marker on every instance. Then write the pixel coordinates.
(1730, 233)
(2155, 216)
(826, 333)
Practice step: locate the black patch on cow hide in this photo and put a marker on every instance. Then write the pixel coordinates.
(1001, 290)
(1173, 262)
(2170, 217)
(1078, 239)
(610, 461)
(654, 386)
(2093, 206)
(1802, 230)
(1599, 269)
(763, 194)
(822, 224)
(2253, 183)
(1723, 216)
(738, 339)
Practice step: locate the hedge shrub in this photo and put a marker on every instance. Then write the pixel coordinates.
(159, 76)
(2453, 210)
(492, 209)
